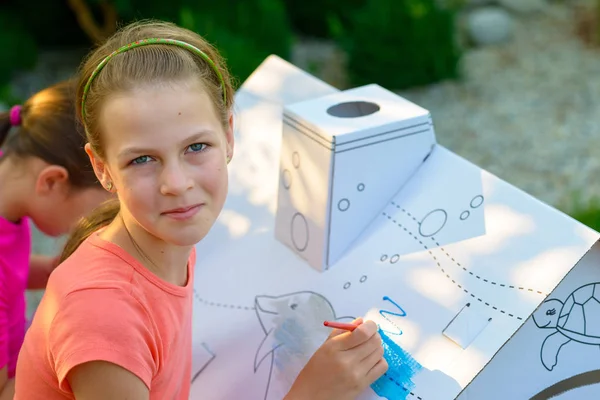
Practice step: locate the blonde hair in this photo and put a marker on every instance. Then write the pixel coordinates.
(48, 130)
(145, 65)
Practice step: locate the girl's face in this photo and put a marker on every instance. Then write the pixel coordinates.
(46, 195)
(166, 156)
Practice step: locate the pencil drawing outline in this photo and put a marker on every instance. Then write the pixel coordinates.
(428, 215)
(570, 322)
(265, 351)
(292, 230)
(212, 357)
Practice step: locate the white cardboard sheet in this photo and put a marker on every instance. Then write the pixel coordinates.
(453, 235)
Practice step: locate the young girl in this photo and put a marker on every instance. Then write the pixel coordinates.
(45, 176)
(115, 322)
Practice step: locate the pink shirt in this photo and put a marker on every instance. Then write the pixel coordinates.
(15, 246)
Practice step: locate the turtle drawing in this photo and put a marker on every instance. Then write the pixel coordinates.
(577, 320)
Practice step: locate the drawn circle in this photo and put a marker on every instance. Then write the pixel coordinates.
(433, 222)
(353, 109)
(476, 201)
(363, 278)
(296, 159)
(344, 204)
(360, 187)
(394, 259)
(464, 215)
(299, 232)
(383, 257)
(347, 285)
(286, 179)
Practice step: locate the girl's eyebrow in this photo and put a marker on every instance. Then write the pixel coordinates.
(130, 151)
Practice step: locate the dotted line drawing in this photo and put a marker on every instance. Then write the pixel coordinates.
(402, 387)
(465, 269)
(222, 305)
(445, 273)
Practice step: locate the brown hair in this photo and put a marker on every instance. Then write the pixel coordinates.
(142, 66)
(48, 130)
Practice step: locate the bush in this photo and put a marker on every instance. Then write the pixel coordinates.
(19, 48)
(51, 23)
(311, 17)
(399, 44)
(245, 32)
(586, 212)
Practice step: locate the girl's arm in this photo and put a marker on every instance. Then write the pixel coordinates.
(7, 386)
(40, 268)
(99, 380)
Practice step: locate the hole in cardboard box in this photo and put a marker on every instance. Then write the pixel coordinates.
(353, 109)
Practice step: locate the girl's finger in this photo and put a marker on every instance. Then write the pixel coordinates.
(337, 332)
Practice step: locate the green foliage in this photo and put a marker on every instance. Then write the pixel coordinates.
(7, 97)
(18, 46)
(589, 216)
(312, 17)
(399, 44)
(241, 54)
(51, 23)
(123, 7)
(586, 212)
(245, 32)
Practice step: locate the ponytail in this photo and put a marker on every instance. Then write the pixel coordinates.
(99, 218)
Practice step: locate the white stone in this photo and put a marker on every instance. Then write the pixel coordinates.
(489, 25)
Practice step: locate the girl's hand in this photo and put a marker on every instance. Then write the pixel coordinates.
(345, 365)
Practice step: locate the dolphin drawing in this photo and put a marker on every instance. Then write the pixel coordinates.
(293, 327)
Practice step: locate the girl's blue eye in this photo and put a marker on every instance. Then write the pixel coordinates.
(197, 147)
(141, 160)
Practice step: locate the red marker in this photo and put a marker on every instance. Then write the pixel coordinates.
(340, 325)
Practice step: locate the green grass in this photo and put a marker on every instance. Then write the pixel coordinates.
(588, 213)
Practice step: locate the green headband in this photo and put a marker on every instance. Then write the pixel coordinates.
(145, 42)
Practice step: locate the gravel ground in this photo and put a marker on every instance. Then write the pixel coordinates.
(527, 110)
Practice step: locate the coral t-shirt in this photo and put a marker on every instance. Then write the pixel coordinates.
(101, 304)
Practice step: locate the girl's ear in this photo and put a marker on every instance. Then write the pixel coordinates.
(99, 167)
(50, 179)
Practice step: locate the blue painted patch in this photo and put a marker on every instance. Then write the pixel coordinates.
(396, 383)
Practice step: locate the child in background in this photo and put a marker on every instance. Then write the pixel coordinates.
(45, 177)
(116, 319)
